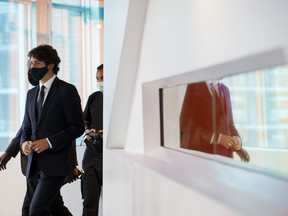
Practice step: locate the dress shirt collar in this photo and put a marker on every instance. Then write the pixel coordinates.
(216, 83)
(48, 83)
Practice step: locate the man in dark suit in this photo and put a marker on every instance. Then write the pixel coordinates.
(57, 208)
(53, 120)
(206, 119)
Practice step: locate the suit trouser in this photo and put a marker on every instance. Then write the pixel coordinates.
(91, 183)
(41, 192)
(57, 207)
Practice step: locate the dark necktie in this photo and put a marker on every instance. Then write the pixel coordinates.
(40, 102)
(219, 91)
(218, 97)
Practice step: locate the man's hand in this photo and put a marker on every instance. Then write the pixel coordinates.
(92, 130)
(237, 143)
(76, 174)
(4, 158)
(227, 141)
(243, 154)
(26, 148)
(40, 145)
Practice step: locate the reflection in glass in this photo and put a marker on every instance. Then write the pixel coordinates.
(260, 102)
(206, 119)
(251, 106)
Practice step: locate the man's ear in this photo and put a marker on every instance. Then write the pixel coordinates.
(50, 66)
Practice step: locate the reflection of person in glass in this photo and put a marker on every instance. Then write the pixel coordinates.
(206, 120)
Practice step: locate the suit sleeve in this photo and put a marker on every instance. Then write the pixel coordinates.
(233, 130)
(71, 104)
(14, 146)
(26, 125)
(87, 114)
(75, 160)
(193, 132)
(186, 118)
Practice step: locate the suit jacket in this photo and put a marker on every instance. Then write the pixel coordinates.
(203, 118)
(61, 121)
(14, 148)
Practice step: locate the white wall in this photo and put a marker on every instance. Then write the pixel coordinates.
(181, 37)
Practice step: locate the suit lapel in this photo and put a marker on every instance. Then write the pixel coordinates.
(34, 102)
(223, 97)
(49, 98)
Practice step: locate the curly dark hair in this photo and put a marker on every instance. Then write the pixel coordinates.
(47, 54)
(100, 67)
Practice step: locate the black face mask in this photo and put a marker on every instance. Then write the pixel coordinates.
(38, 73)
(31, 80)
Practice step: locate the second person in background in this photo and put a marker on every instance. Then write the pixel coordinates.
(91, 180)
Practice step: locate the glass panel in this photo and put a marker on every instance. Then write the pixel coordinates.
(70, 2)
(78, 38)
(15, 39)
(67, 39)
(77, 34)
(215, 117)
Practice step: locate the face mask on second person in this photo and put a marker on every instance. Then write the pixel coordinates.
(100, 86)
